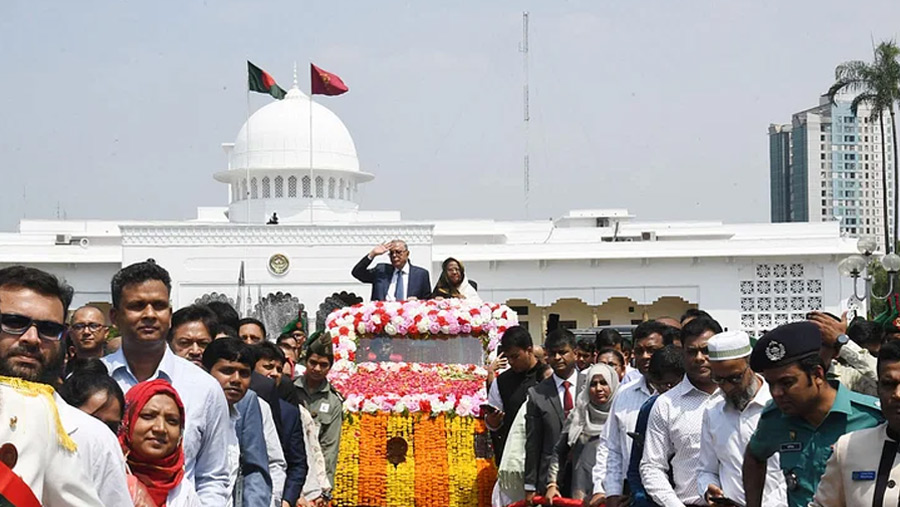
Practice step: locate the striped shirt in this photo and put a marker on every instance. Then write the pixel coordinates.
(673, 435)
(615, 444)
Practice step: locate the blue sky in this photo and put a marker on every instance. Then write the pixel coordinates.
(118, 109)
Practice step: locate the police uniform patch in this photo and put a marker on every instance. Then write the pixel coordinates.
(859, 475)
(775, 351)
(791, 447)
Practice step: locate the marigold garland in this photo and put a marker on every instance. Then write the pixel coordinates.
(432, 479)
(461, 458)
(346, 485)
(401, 479)
(372, 458)
(487, 470)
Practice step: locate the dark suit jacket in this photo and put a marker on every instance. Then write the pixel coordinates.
(294, 451)
(380, 276)
(544, 419)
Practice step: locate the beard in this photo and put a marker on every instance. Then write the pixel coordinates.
(740, 398)
(48, 372)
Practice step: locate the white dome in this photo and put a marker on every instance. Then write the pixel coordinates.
(278, 138)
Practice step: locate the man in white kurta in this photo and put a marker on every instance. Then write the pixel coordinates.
(730, 420)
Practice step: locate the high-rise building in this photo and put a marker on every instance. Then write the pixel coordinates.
(826, 166)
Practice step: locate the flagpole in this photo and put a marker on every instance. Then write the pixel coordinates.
(247, 154)
(312, 181)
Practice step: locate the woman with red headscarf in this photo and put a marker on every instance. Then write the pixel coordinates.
(151, 436)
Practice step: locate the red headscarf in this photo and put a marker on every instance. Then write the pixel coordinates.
(159, 476)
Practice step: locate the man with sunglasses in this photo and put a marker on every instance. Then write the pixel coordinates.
(397, 281)
(88, 331)
(33, 306)
(729, 421)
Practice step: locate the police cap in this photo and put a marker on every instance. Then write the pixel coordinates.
(786, 344)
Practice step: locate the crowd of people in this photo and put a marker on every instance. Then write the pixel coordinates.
(197, 407)
(686, 413)
(181, 408)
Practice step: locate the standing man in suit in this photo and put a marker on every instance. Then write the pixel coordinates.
(396, 281)
(549, 403)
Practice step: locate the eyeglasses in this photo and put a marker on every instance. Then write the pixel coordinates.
(18, 325)
(733, 379)
(92, 326)
(398, 252)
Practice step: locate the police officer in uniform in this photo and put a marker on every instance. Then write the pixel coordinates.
(808, 414)
(322, 400)
(865, 467)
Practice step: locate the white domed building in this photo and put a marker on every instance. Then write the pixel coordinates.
(592, 267)
(272, 169)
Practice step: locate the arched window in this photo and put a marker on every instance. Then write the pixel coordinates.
(266, 190)
(279, 186)
(254, 189)
(320, 187)
(307, 187)
(341, 188)
(331, 188)
(243, 189)
(292, 186)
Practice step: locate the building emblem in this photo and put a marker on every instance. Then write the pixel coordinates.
(279, 264)
(775, 351)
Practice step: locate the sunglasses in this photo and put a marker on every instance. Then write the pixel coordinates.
(18, 325)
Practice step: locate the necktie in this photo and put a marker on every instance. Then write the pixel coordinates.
(567, 397)
(399, 293)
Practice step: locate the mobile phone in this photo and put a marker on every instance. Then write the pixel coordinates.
(722, 500)
(487, 408)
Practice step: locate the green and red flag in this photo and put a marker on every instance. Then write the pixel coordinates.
(326, 83)
(262, 82)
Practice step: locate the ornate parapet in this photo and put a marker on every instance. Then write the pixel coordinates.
(261, 235)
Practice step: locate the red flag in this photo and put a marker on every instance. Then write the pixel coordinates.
(326, 83)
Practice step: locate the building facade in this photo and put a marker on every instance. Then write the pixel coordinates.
(826, 165)
(592, 267)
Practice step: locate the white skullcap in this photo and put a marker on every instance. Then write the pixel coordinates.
(729, 345)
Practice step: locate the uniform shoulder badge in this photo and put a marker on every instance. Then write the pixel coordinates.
(775, 351)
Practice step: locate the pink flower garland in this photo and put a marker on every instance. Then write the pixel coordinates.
(414, 387)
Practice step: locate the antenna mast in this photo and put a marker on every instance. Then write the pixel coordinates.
(526, 117)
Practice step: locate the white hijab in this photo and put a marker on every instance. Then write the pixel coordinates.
(587, 418)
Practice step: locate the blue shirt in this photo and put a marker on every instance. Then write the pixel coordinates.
(256, 483)
(206, 420)
(639, 496)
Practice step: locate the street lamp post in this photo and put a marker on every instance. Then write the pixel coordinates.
(856, 266)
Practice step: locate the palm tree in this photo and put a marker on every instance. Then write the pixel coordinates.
(877, 85)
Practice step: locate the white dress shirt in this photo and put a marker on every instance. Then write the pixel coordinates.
(393, 287)
(615, 444)
(277, 464)
(724, 437)
(183, 495)
(206, 415)
(99, 454)
(232, 454)
(631, 374)
(673, 436)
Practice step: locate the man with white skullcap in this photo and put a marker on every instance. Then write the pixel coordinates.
(729, 421)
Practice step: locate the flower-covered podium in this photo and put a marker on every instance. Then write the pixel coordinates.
(412, 378)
